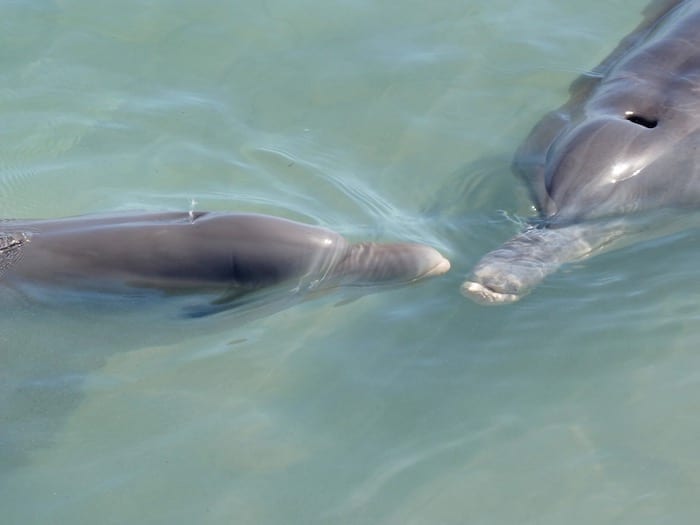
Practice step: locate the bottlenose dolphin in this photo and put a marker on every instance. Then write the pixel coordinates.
(226, 253)
(626, 142)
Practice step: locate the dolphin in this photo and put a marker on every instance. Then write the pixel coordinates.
(178, 253)
(626, 143)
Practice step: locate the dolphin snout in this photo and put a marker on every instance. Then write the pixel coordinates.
(442, 265)
(510, 272)
(498, 280)
(422, 261)
(493, 288)
(373, 263)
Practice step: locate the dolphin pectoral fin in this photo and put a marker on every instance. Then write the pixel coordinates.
(346, 300)
(235, 297)
(247, 301)
(204, 310)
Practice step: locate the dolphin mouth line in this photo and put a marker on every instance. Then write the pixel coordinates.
(484, 295)
(440, 268)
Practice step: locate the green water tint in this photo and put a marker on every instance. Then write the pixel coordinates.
(380, 121)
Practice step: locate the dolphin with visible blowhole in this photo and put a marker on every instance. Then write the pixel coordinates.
(626, 144)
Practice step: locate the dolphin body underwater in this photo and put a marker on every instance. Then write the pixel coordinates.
(626, 143)
(227, 254)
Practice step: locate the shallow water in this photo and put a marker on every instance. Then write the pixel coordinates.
(380, 120)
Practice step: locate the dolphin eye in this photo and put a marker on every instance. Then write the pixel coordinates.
(641, 121)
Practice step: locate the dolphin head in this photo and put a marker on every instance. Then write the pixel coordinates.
(627, 139)
(615, 164)
(625, 143)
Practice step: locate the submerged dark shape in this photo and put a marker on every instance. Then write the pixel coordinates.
(626, 142)
(224, 253)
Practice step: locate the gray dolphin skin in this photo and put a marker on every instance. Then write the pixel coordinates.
(192, 252)
(626, 143)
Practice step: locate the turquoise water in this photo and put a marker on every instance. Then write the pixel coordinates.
(381, 120)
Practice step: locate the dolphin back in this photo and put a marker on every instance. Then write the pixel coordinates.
(226, 254)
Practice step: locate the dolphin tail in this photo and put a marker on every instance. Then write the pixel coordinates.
(510, 272)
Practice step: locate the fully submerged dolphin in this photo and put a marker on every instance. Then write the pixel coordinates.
(626, 142)
(226, 253)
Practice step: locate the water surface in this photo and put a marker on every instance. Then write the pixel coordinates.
(381, 120)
